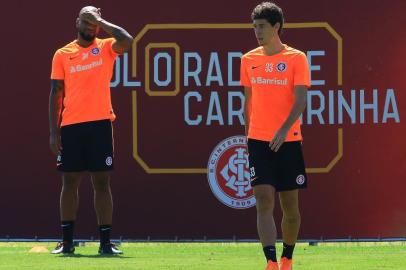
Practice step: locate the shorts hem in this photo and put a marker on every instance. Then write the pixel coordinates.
(253, 184)
(70, 170)
(277, 189)
(85, 170)
(290, 189)
(101, 170)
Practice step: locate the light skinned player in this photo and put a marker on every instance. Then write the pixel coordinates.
(275, 77)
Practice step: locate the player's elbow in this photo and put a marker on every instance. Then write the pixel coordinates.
(303, 104)
(303, 101)
(301, 96)
(127, 44)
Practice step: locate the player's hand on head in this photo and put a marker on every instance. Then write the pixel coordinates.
(278, 139)
(91, 16)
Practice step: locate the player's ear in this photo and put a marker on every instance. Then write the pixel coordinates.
(277, 26)
(77, 23)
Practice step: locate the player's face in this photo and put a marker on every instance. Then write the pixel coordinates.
(264, 31)
(87, 30)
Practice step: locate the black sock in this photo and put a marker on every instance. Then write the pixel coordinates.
(270, 253)
(287, 251)
(67, 230)
(104, 234)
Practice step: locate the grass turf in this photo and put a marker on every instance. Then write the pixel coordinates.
(206, 256)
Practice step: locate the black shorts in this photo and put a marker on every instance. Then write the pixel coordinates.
(86, 146)
(284, 170)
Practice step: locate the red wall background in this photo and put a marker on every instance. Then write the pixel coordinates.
(362, 196)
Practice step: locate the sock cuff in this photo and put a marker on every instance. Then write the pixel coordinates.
(67, 221)
(67, 224)
(105, 227)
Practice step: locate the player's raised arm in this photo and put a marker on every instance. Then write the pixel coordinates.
(55, 110)
(123, 38)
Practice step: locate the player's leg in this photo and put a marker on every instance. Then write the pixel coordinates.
(100, 159)
(103, 204)
(69, 202)
(294, 178)
(262, 181)
(103, 201)
(265, 202)
(71, 163)
(289, 201)
(68, 205)
(99, 156)
(69, 199)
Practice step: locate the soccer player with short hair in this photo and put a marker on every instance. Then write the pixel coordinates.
(275, 79)
(80, 121)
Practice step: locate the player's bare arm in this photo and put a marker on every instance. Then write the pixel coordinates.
(247, 108)
(123, 38)
(297, 110)
(55, 110)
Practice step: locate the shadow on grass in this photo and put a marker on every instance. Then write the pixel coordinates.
(94, 256)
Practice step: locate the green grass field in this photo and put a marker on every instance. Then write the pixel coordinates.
(206, 256)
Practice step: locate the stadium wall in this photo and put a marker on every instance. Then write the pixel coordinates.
(179, 124)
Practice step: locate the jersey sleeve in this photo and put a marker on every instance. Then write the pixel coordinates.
(244, 78)
(109, 45)
(301, 71)
(58, 71)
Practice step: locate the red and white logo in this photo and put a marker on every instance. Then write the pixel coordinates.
(229, 173)
(109, 161)
(300, 179)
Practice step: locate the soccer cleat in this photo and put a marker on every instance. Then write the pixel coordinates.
(285, 264)
(63, 248)
(272, 266)
(109, 249)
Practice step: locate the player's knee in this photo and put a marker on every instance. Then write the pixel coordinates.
(264, 204)
(290, 208)
(70, 185)
(71, 181)
(101, 181)
(291, 217)
(101, 185)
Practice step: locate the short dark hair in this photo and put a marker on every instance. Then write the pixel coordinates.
(270, 12)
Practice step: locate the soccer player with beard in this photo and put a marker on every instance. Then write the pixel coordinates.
(80, 121)
(275, 79)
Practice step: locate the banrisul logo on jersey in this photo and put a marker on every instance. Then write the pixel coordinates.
(187, 102)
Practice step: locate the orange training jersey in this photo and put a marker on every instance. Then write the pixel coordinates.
(86, 73)
(272, 80)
